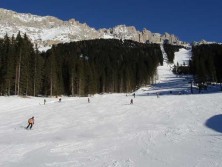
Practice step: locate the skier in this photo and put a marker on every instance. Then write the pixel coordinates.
(44, 101)
(157, 95)
(134, 95)
(88, 100)
(60, 99)
(30, 122)
(131, 101)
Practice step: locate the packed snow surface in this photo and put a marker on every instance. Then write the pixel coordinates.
(178, 129)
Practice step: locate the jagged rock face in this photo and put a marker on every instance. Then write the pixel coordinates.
(204, 42)
(46, 31)
(122, 32)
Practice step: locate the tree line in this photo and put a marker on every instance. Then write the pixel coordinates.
(207, 63)
(20, 66)
(170, 51)
(76, 68)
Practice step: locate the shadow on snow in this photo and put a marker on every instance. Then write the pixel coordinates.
(178, 86)
(215, 123)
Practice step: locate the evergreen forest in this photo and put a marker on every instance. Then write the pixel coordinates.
(207, 63)
(76, 68)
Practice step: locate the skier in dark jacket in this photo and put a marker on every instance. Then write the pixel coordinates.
(131, 101)
(30, 123)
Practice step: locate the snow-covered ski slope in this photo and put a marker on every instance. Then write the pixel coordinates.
(170, 131)
(168, 83)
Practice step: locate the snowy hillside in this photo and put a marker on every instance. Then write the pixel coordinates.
(170, 131)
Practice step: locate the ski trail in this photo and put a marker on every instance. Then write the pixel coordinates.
(167, 82)
(109, 132)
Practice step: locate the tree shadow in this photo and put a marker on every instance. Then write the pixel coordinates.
(215, 123)
(178, 86)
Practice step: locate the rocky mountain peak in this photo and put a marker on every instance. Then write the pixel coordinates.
(48, 30)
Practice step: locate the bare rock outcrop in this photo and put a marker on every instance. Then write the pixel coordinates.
(47, 30)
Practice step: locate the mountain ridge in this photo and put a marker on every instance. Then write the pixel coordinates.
(48, 30)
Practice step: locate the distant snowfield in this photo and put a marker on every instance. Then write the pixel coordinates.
(182, 56)
(170, 131)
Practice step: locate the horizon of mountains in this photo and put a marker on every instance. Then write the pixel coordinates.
(46, 31)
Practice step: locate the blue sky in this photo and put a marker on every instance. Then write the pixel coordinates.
(190, 20)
